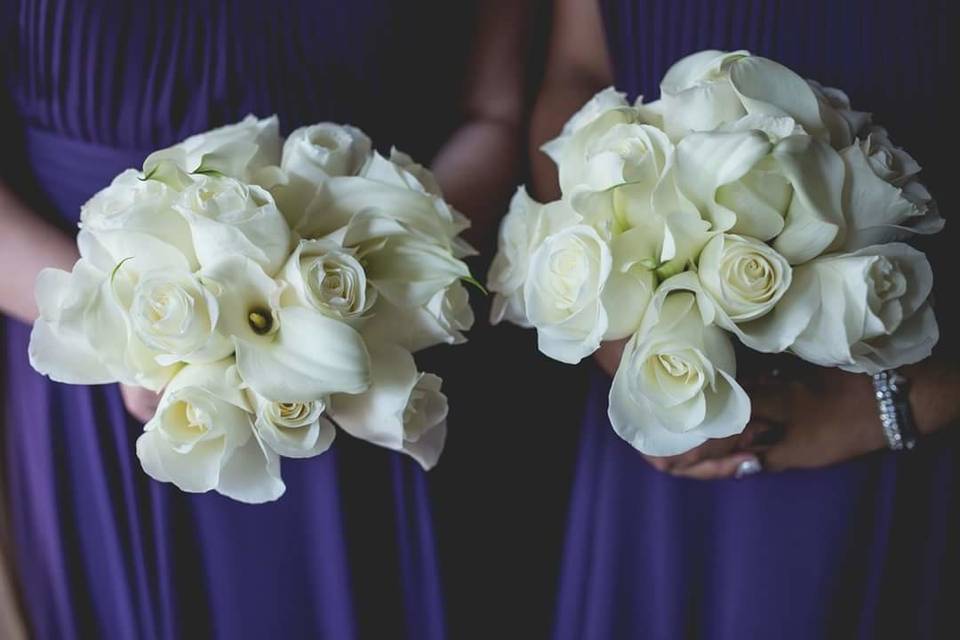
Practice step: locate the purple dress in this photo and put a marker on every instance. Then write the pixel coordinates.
(863, 549)
(89, 88)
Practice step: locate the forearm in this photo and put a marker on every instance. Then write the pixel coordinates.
(563, 93)
(934, 393)
(479, 166)
(478, 169)
(28, 244)
(578, 66)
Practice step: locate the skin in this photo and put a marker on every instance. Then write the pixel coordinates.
(821, 416)
(477, 168)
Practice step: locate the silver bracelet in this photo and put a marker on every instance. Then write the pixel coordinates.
(891, 390)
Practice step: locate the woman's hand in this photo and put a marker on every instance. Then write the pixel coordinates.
(827, 417)
(141, 403)
(815, 419)
(823, 418)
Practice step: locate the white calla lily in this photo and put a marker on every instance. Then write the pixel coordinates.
(710, 88)
(340, 199)
(789, 192)
(286, 354)
(244, 150)
(402, 410)
(406, 267)
(85, 334)
(59, 345)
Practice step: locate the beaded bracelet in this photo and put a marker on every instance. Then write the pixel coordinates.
(891, 390)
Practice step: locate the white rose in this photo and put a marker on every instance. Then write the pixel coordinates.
(175, 315)
(789, 191)
(313, 154)
(293, 429)
(889, 162)
(711, 88)
(229, 218)
(844, 123)
(675, 385)
(615, 148)
(248, 150)
(202, 438)
(563, 290)
(403, 409)
(882, 197)
(132, 203)
(323, 150)
(286, 354)
(324, 276)
(522, 230)
(441, 321)
(450, 313)
(602, 102)
(84, 334)
(406, 266)
(744, 277)
(863, 311)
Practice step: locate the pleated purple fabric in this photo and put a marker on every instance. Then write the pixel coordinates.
(102, 551)
(864, 549)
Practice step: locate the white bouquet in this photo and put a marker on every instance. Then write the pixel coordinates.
(746, 202)
(270, 288)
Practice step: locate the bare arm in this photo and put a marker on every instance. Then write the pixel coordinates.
(578, 66)
(935, 393)
(27, 244)
(479, 166)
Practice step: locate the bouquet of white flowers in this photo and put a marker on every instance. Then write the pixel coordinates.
(744, 202)
(270, 288)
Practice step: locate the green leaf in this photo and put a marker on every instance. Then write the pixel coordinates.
(208, 172)
(117, 268)
(476, 283)
(669, 269)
